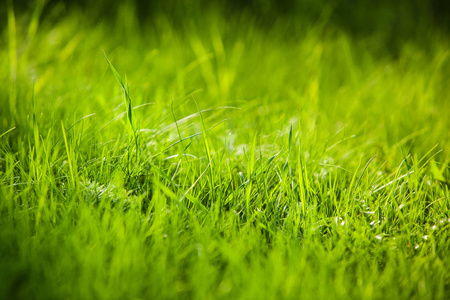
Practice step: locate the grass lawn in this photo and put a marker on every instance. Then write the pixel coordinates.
(220, 157)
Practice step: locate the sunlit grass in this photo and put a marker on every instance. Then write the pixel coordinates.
(233, 162)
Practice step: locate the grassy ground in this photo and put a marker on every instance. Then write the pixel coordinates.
(242, 162)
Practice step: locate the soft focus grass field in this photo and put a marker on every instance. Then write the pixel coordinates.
(244, 161)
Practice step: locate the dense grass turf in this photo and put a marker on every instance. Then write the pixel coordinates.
(241, 162)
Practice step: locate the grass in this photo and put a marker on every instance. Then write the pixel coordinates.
(233, 162)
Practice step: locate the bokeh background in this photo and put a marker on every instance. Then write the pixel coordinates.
(400, 20)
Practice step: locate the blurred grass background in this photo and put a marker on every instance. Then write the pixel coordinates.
(291, 45)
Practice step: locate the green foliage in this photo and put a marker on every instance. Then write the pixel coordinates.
(284, 161)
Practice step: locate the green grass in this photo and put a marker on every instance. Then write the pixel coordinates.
(230, 162)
